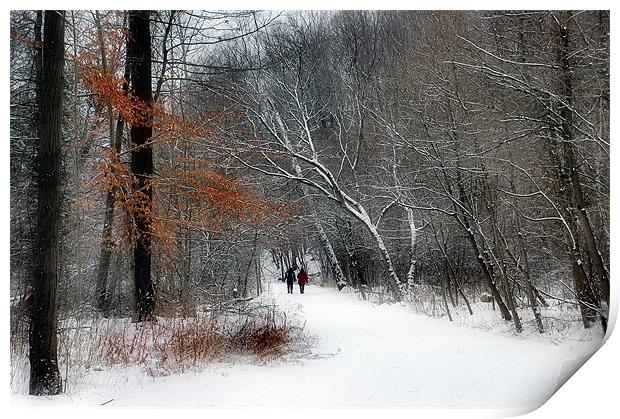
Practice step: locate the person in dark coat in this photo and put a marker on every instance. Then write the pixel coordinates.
(290, 279)
(302, 280)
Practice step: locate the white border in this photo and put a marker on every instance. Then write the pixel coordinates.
(591, 393)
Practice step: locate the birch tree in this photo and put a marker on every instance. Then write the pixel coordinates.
(280, 105)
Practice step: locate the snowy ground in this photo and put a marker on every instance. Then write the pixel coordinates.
(365, 355)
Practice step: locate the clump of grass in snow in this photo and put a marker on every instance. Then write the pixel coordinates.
(265, 336)
(169, 345)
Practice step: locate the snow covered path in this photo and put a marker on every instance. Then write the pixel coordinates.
(365, 355)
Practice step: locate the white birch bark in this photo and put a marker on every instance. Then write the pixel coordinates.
(413, 238)
(325, 242)
(264, 110)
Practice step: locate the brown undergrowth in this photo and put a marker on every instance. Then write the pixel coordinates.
(169, 345)
(230, 332)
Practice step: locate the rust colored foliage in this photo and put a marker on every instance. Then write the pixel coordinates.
(108, 89)
(216, 200)
(223, 197)
(24, 38)
(217, 203)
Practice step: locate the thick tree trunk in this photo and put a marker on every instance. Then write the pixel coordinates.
(139, 56)
(252, 259)
(105, 255)
(355, 272)
(32, 191)
(45, 377)
(583, 285)
(294, 255)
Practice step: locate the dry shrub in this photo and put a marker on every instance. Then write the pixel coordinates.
(190, 343)
(265, 335)
(168, 345)
(125, 346)
(179, 344)
(269, 341)
(174, 345)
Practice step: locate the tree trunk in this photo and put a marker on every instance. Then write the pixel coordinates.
(478, 252)
(451, 270)
(446, 307)
(331, 255)
(413, 235)
(448, 279)
(491, 200)
(488, 276)
(327, 246)
(585, 293)
(259, 276)
(32, 192)
(139, 57)
(294, 255)
(252, 259)
(393, 280)
(528, 282)
(116, 139)
(569, 176)
(45, 377)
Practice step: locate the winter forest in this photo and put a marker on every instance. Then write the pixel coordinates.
(441, 177)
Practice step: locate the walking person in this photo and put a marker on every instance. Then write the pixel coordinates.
(290, 279)
(302, 280)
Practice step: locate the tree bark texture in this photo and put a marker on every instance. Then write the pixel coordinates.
(586, 288)
(45, 377)
(139, 56)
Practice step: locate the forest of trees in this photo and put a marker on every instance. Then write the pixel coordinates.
(157, 157)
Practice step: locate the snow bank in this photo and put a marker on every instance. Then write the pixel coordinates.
(365, 355)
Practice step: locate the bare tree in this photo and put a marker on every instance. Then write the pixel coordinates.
(139, 58)
(44, 374)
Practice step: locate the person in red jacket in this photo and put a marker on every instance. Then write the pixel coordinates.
(302, 279)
